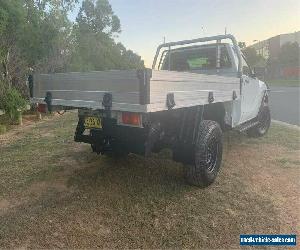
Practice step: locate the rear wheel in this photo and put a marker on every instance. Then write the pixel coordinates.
(264, 122)
(207, 155)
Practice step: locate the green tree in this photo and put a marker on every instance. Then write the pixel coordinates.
(11, 16)
(97, 17)
(46, 43)
(289, 55)
(33, 34)
(252, 57)
(95, 48)
(129, 59)
(38, 34)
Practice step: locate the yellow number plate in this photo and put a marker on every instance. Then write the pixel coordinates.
(92, 122)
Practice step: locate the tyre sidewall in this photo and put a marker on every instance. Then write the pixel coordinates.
(264, 119)
(199, 174)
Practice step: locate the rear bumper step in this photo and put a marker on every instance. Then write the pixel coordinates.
(112, 137)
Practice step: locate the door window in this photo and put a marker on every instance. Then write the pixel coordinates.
(245, 67)
(199, 58)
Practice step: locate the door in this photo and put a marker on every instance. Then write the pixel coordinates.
(250, 99)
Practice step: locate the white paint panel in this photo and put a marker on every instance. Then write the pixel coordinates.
(189, 89)
(86, 90)
(89, 86)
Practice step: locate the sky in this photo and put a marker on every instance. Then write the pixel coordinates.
(145, 23)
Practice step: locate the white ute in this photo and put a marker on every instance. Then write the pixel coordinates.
(196, 90)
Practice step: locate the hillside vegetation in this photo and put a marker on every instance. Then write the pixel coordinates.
(39, 36)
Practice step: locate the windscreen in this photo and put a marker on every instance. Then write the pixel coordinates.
(192, 59)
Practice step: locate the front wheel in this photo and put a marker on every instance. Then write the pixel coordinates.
(207, 155)
(264, 122)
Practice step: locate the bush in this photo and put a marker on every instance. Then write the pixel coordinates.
(11, 101)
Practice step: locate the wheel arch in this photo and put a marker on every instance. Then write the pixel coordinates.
(215, 112)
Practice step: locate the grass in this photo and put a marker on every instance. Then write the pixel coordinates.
(277, 135)
(284, 82)
(288, 162)
(35, 154)
(28, 117)
(2, 129)
(4, 119)
(55, 193)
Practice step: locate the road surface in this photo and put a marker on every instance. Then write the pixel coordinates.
(284, 103)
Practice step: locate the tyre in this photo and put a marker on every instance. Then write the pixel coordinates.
(207, 155)
(264, 122)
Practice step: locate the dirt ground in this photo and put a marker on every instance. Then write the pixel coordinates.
(55, 193)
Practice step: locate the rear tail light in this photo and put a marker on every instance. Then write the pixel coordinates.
(130, 119)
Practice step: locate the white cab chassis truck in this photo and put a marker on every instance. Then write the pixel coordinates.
(196, 90)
